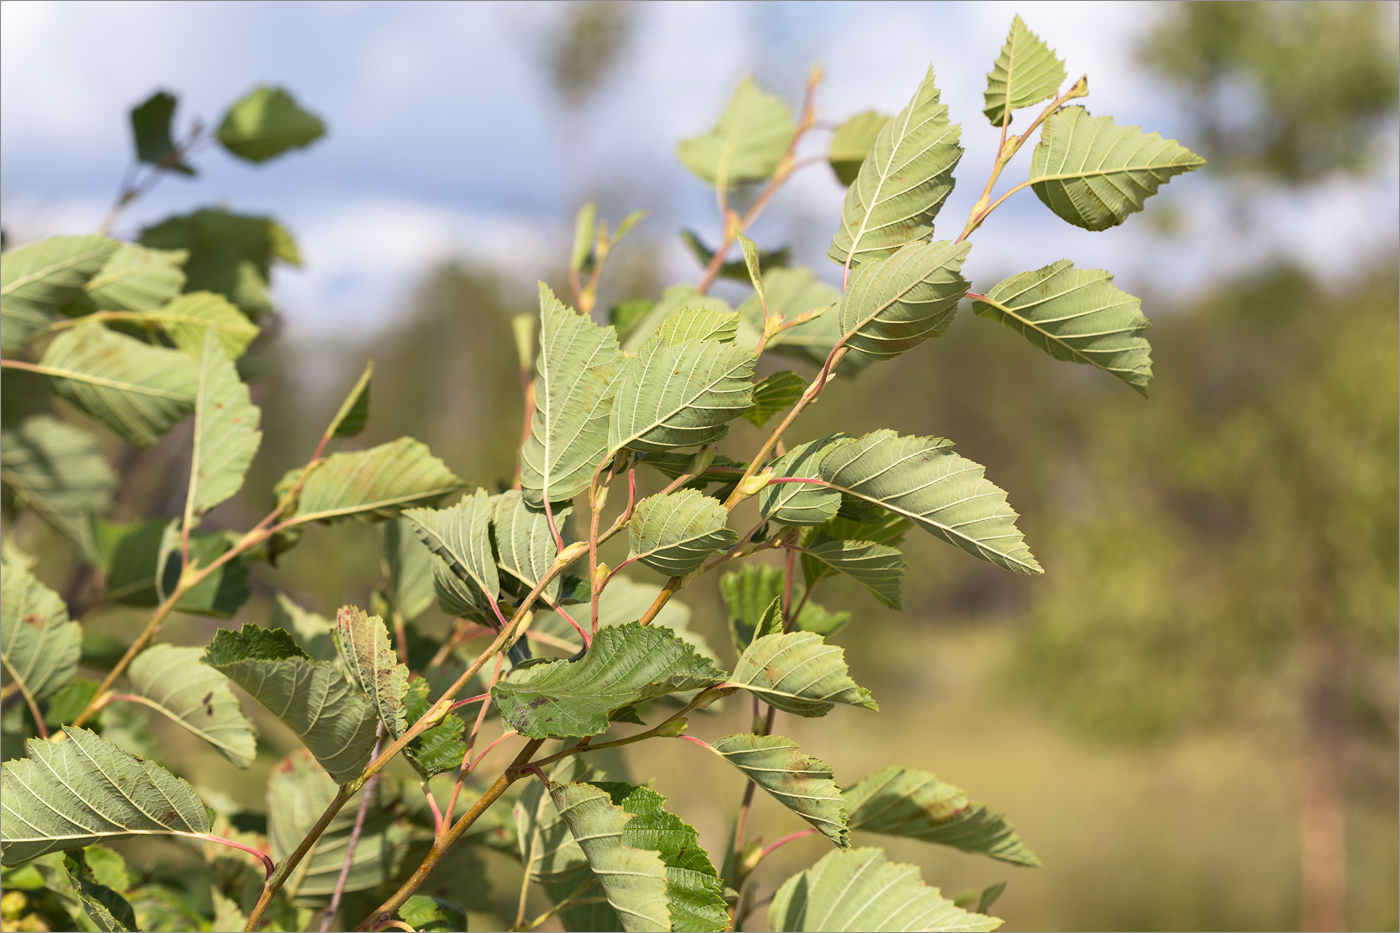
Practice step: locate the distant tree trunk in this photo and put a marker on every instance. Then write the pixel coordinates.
(1321, 816)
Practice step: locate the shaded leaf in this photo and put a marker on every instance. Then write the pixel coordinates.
(627, 664)
(464, 572)
(920, 478)
(876, 567)
(368, 657)
(408, 565)
(852, 142)
(437, 749)
(894, 304)
(266, 123)
(40, 645)
(525, 548)
(1026, 72)
(797, 781)
(625, 600)
(777, 393)
(171, 681)
(350, 419)
(737, 270)
(749, 594)
(748, 142)
(107, 909)
(673, 463)
(150, 130)
(58, 471)
(674, 533)
(1075, 314)
(1093, 173)
(577, 364)
(799, 673)
(315, 699)
(226, 434)
(133, 278)
(902, 183)
(229, 254)
(311, 630)
(83, 790)
(679, 395)
(916, 805)
(145, 563)
(858, 890)
(375, 483)
(37, 279)
(137, 390)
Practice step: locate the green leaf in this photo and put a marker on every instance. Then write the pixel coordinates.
(701, 323)
(525, 548)
(266, 123)
(172, 682)
(38, 642)
(625, 600)
(675, 299)
(801, 503)
(1026, 72)
(577, 364)
(749, 594)
(189, 318)
(679, 395)
(1093, 173)
(876, 567)
(674, 533)
(460, 538)
(298, 792)
(902, 183)
(797, 781)
(311, 630)
(83, 790)
(226, 434)
(409, 566)
(107, 909)
(36, 280)
(852, 142)
(585, 231)
(747, 144)
(137, 390)
(778, 392)
(674, 463)
(916, 805)
(792, 293)
(134, 278)
(58, 471)
(1075, 314)
(150, 130)
(437, 749)
(858, 890)
(921, 479)
(627, 664)
(230, 254)
(693, 889)
(432, 914)
(633, 880)
(375, 483)
(736, 270)
(799, 673)
(368, 657)
(315, 699)
(146, 562)
(354, 411)
(894, 304)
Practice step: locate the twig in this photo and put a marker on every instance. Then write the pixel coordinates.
(350, 845)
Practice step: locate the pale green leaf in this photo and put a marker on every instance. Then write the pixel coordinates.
(38, 642)
(37, 279)
(525, 548)
(799, 782)
(894, 304)
(751, 263)
(921, 479)
(137, 390)
(747, 144)
(876, 567)
(172, 682)
(627, 664)
(1026, 72)
(187, 319)
(408, 564)
(674, 533)
(368, 657)
(83, 790)
(858, 890)
(266, 123)
(311, 630)
(465, 570)
(916, 805)
(298, 792)
(902, 183)
(350, 419)
(777, 393)
(375, 483)
(673, 300)
(852, 142)
(800, 503)
(107, 909)
(1093, 173)
(134, 278)
(577, 364)
(1075, 314)
(226, 434)
(699, 323)
(633, 880)
(58, 471)
(314, 699)
(585, 230)
(797, 672)
(680, 395)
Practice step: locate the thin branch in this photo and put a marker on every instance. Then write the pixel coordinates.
(351, 843)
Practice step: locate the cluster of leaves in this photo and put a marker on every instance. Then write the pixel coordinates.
(658, 386)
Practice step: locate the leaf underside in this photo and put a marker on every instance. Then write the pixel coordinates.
(797, 781)
(1025, 73)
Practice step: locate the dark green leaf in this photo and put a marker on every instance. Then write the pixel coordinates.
(150, 130)
(107, 909)
(736, 270)
(775, 394)
(408, 565)
(354, 411)
(437, 749)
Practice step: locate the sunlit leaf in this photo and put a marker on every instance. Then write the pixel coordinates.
(800, 503)
(797, 781)
(58, 471)
(38, 642)
(188, 318)
(37, 279)
(226, 434)
(674, 533)
(916, 805)
(1093, 173)
(1026, 72)
(799, 673)
(699, 323)
(266, 123)
(674, 299)
(852, 142)
(171, 681)
(627, 664)
(315, 699)
(858, 890)
(902, 183)
(679, 395)
(368, 657)
(894, 304)
(432, 914)
(83, 790)
(375, 483)
(1075, 314)
(747, 144)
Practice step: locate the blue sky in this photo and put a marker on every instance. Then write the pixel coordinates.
(446, 142)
